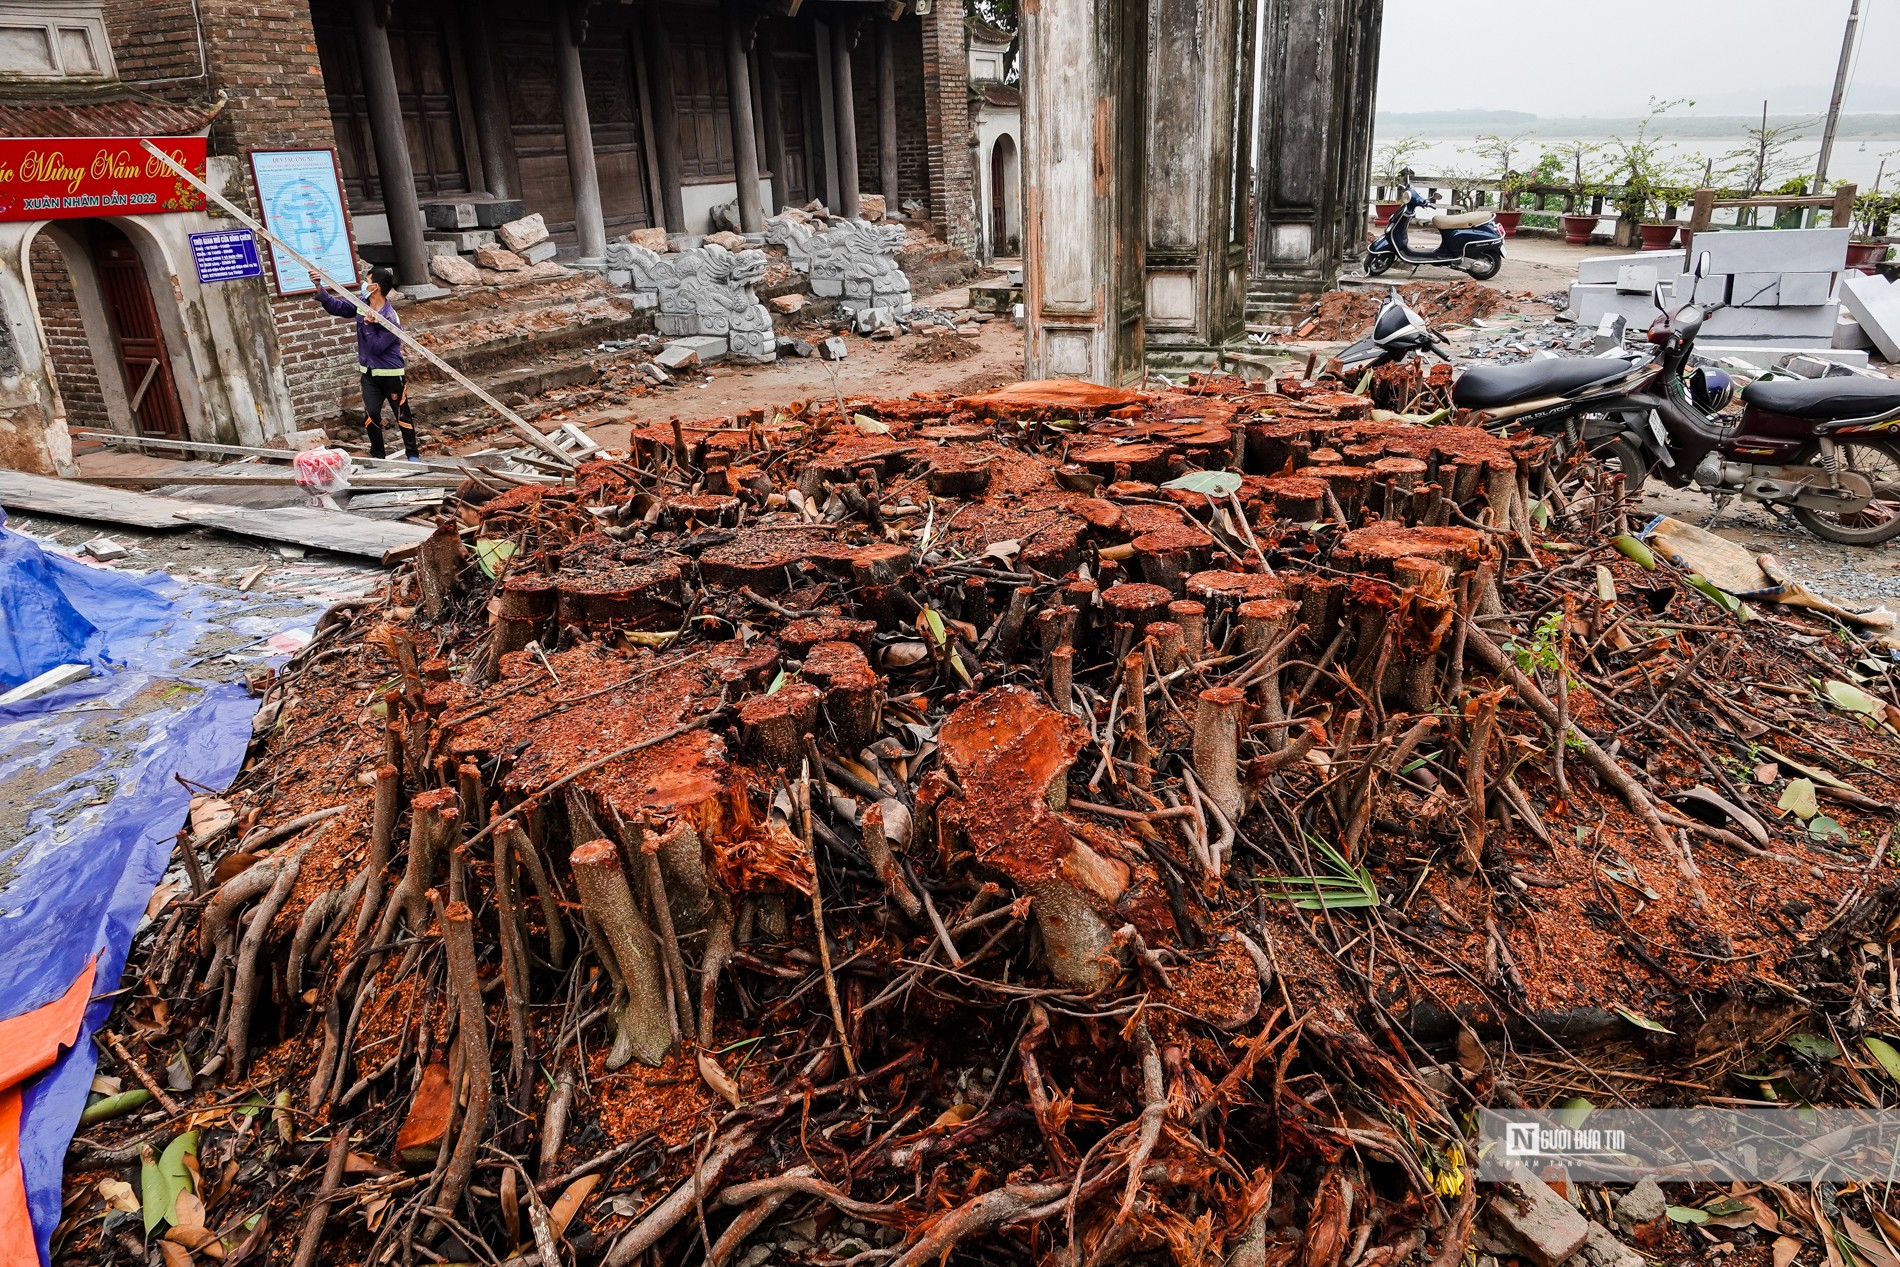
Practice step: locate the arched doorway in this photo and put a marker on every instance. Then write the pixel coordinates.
(111, 359)
(1006, 216)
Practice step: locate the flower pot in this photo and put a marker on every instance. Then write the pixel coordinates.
(1508, 222)
(1865, 257)
(1657, 237)
(1578, 228)
(1387, 210)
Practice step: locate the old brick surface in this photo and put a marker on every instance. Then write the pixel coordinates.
(73, 367)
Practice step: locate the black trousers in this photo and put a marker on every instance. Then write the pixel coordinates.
(392, 389)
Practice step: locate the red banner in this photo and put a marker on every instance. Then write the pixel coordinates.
(65, 178)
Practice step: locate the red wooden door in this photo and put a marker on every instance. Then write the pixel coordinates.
(143, 357)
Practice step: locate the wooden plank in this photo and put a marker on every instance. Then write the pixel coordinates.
(249, 451)
(43, 495)
(377, 539)
(198, 479)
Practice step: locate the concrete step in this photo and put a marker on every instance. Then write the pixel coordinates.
(501, 346)
(434, 403)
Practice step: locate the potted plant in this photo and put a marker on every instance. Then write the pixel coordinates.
(1872, 212)
(1393, 159)
(1644, 170)
(1497, 151)
(1578, 225)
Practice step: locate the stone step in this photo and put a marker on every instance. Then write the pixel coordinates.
(437, 402)
(497, 345)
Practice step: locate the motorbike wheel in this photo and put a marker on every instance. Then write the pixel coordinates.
(1879, 462)
(1485, 267)
(1378, 262)
(1627, 457)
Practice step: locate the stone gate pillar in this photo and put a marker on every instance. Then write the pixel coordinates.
(1200, 106)
(1319, 76)
(1085, 66)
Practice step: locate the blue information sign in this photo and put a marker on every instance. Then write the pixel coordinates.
(225, 255)
(300, 194)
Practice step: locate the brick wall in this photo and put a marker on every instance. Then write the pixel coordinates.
(263, 56)
(73, 368)
(945, 68)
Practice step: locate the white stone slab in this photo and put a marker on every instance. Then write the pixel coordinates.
(1637, 279)
(1605, 269)
(1758, 290)
(1589, 304)
(1875, 303)
(1768, 355)
(1806, 290)
(1774, 250)
(1849, 334)
(1815, 323)
(1707, 291)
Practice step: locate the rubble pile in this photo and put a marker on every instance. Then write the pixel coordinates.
(1347, 314)
(1064, 824)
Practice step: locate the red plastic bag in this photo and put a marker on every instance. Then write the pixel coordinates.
(322, 471)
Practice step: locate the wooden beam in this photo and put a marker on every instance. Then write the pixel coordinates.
(378, 539)
(201, 480)
(43, 495)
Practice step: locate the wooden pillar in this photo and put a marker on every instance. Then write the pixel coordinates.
(843, 32)
(1194, 210)
(491, 121)
(394, 173)
(656, 46)
(887, 115)
(1085, 65)
(776, 155)
(590, 226)
(745, 138)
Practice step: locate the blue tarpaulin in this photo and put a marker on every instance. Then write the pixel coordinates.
(99, 763)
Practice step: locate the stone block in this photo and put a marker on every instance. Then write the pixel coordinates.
(788, 346)
(646, 299)
(1849, 334)
(1774, 250)
(787, 303)
(710, 349)
(827, 287)
(1636, 279)
(431, 249)
(449, 215)
(714, 321)
(499, 258)
(463, 240)
(1602, 1249)
(540, 252)
(519, 235)
(495, 212)
(1875, 303)
(1709, 291)
(1768, 354)
(620, 278)
(1532, 1221)
(1606, 269)
(1589, 304)
(652, 239)
(423, 290)
(1756, 290)
(728, 239)
(1773, 323)
(753, 348)
(676, 325)
(871, 207)
(1645, 1203)
(832, 349)
(454, 270)
(1806, 290)
(1610, 331)
(677, 356)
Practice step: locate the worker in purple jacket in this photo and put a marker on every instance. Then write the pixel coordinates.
(379, 358)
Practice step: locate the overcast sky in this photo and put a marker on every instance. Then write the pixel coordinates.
(1726, 54)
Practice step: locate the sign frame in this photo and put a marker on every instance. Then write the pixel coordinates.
(349, 223)
(253, 267)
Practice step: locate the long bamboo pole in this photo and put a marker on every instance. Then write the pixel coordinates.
(514, 419)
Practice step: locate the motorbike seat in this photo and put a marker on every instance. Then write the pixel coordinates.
(1825, 398)
(1493, 386)
(1463, 220)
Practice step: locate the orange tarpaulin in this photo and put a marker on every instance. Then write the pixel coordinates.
(30, 1043)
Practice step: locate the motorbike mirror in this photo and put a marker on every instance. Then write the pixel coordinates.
(1656, 297)
(1703, 262)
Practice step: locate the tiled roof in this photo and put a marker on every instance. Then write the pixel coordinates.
(1002, 95)
(59, 110)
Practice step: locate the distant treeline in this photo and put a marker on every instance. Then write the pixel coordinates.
(1468, 122)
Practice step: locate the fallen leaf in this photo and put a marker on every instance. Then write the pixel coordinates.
(1208, 483)
(1821, 827)
(955, 1115)
(419, 1141)
(1640, 1021)
(1883, 1051)
(1635, 551)
(1687, 1214)
(1786, 1247)
(1851, 699)
(1812, 1046)
(869, 425)
(1799, 799)
(718, 1080)
(119, 1195)
(568, 1204)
